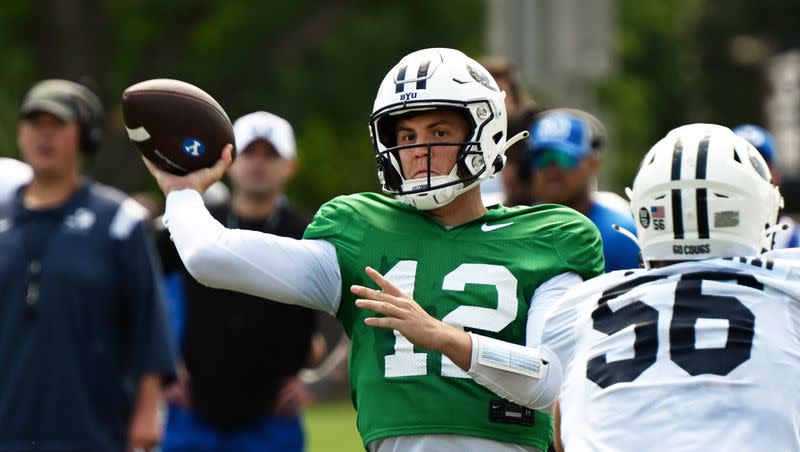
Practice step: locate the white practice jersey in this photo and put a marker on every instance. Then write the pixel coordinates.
(697, 356)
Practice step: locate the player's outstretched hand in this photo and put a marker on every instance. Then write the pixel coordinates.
(400, 312)
(198, 180)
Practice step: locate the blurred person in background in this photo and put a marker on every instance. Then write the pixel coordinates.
(509, 81)
(13, 174)
(84, 344)
(564, 155)
(512, 187)
(699, 350)
(517, 175)
(238, 386)
(762, 140)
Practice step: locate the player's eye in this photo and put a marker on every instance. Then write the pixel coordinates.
(440, 133)
(406, 138)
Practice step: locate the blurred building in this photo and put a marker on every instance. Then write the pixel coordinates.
(782, 108)
(561, 47)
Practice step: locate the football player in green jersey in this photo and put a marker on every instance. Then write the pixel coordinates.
(438, 294)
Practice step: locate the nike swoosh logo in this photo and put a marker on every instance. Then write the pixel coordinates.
(486, 228)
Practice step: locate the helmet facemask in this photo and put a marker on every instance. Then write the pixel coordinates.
(469, 165)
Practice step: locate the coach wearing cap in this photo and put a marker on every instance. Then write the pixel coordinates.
(564, 154)
(242, 353)
(84, 346)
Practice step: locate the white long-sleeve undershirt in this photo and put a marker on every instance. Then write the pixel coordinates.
(307, 273)
(300, 272)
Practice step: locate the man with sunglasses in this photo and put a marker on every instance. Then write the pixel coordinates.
(565, 158)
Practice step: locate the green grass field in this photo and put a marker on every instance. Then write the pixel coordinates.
(331, 427)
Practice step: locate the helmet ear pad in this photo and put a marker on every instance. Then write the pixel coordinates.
(469, 164)
(391, 178)
(384, 132)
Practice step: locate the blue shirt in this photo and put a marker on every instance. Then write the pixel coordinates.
(794, 242)
(81, 320)
(619, 251)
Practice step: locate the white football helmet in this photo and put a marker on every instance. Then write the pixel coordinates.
(703, 192)
(440, 78)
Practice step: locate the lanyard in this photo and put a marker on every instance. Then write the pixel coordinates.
(39, 228)
(37, 236)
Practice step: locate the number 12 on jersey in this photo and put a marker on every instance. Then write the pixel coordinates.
(405, 362)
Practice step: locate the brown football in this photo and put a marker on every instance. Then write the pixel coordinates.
(176, 125)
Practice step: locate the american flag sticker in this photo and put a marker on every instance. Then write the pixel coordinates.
(657, 211)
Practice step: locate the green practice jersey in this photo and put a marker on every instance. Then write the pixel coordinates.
(479, 276)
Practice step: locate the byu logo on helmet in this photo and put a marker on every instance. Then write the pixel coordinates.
(193, 147)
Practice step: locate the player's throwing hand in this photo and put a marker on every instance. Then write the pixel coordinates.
(198, 180)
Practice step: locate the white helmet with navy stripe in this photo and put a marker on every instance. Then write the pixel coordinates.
(702, 192)
(440, 78)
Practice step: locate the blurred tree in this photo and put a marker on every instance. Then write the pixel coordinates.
(317, 63)
(77, 27)
(648, 94)
(18, 74)
(683, 61)
(733, 43)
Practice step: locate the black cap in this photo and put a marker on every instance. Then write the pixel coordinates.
(67, 100)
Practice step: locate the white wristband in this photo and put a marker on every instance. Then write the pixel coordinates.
(514, 358)
(515, 372)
